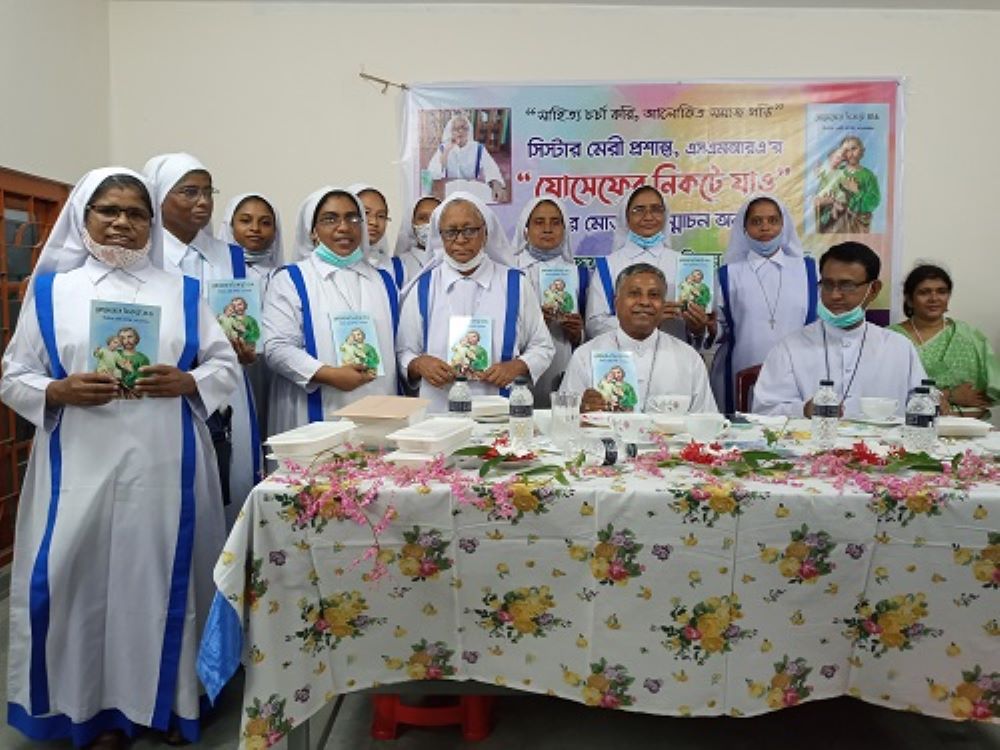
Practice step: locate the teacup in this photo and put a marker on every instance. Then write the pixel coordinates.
(879, 409)
(668, 403)
(706, 427)
(631, 427)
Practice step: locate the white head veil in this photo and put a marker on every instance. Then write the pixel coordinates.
(166, 170)
(380, 250)
(274, 255)
(447, 132)
(64, 250)
(621, 220)
(739, 245)
(405, 239)
(496, 247)
(520, 239)
(303, 225)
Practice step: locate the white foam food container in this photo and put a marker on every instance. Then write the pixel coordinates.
(310, 439)
(412, 460)
(489, 406)
(965, 427)
(433, 436)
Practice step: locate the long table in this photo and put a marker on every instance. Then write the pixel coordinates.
(670, 595)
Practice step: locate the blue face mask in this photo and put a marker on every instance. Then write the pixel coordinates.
(764, 248)
(646, 243)
(327, 255)
(847, 319)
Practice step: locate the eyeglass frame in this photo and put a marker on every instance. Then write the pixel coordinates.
(186, 193)
(450, 235)
(131, 218)
(335, 219)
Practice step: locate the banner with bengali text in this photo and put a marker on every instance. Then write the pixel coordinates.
(830, 150)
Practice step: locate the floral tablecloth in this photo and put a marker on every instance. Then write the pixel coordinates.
(664, 595)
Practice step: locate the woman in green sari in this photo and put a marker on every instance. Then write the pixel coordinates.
(956, 355)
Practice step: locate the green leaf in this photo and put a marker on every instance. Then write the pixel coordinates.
(472, 450)
(487, 465)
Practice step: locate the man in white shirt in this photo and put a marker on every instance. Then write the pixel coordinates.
(860, 358)
(664, 365)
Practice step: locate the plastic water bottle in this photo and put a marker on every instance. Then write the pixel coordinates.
(935, 397)
(825, 416)
(919, 432)
(600, 451)
(460, 398)
(522, 415)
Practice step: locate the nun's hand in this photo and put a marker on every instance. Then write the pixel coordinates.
(82, 389)
(345, 377)
(165, 381)
(245, 353)
(572, 325)
(435, 371)
(502, 374)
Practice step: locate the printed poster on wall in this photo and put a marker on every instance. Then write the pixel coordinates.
(829, 149)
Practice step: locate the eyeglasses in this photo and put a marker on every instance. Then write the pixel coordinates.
(450, 235)
(381, 217)
(656, 210)
(192, 193)
(332, 220)
(844, 287)
(111, 213)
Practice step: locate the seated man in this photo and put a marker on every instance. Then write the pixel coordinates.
(620, 369)
(860, 358)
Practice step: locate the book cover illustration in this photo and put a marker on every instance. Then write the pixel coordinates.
(124, 337)
(696, 280)
(470, 345)
(236, 304)
(355, 341)
(558, 287)
(615, 379)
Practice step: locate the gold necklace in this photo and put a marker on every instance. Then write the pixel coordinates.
(916, 332)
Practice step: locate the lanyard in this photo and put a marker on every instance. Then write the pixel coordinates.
(857, 362)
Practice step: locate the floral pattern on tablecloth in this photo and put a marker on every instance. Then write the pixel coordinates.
(620, 592)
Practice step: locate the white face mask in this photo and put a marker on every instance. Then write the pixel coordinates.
(470, 265)
(115, 255)
(422, 232)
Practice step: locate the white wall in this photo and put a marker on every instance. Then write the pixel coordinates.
(54, 79)
(268, 94)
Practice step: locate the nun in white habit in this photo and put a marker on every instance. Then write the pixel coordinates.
(120, 520)
(765, 290)
(251, 222)
(459, 157)
(641, 236)
(377, 220)
(413, 241)
(471, 277)
(313, 304)
(183, 192)
(543, 252)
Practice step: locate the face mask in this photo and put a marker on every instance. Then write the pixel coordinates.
(470, 265)
(542, 255)
(327, 255)
(764, 248)
(847, 319)
(423, 233)
(113, 255)
(646, 243)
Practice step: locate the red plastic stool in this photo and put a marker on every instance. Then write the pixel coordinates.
(471, 711)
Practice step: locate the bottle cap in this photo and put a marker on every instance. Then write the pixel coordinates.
(461, 378)
(929, 382)
(922, 389)
(521, 380)
(826, 382)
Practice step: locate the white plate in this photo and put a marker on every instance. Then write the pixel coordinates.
(489, 406)
(310, 439)
(493, 419)
(894, 421)
(596, 418)
(413, 460)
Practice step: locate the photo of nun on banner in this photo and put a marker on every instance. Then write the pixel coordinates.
(466, 151)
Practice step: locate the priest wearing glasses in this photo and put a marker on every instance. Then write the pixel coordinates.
(862, 359)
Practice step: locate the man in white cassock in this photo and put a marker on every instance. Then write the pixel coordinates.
(470, 277)
(664, 365)
(860, 358)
